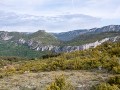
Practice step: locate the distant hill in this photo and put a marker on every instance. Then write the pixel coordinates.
(8, 48)
(89, 38)
(39, 43)
(24, 44)
(67, 36)
(44, 38)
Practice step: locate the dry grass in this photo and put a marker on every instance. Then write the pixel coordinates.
(38, 81)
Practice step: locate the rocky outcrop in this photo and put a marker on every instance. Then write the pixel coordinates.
(4, 36)
(81, 47)
(95, 44)
(35, 45)
(39, 47)
(89, 45)
(21, 41)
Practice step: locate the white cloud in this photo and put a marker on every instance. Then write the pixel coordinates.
(59, 15)
(49, 23)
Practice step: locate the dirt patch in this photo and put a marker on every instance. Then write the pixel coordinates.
(81, 79)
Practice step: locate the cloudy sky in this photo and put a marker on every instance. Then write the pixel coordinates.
(57, 15)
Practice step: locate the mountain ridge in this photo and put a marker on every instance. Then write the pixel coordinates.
(44, 41)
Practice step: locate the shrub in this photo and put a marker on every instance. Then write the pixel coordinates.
(60, 84)
(105, 86)
(116, 70)
(114, 80)
(112, 84)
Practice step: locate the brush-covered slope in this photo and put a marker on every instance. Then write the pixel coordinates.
(104, 57)
(8, 48)
(40, 36)
(44, 38)
(12, 36)
(24, 44)
(68, 36)
(21, 44)
(91, 66)
(89, 38)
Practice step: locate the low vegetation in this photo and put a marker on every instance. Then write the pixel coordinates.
(60, 84)
(91, 37)
(10, 49)
(112, 84)
(103, 58)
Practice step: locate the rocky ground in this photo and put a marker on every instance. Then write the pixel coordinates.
(82, 80)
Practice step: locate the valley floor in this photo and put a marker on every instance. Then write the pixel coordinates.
(81, 79)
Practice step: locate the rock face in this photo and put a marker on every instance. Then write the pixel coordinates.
(21, 41)
(5, 36)
(87, 46)
(58, 49)
(35, 45)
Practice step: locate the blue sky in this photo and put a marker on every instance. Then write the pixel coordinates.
(57, 15)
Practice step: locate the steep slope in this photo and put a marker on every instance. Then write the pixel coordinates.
(89, 38)
(109, 28)
(13, 36)
(36, 40)
(40, 36)
(8, 48)
(25, 44)
(44, 38)
(66, 36)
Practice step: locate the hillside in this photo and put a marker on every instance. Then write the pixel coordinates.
(5, 35)
(23, 44)
(100, 63)
(13, 49)
(44, 38)
(89, 38)
(43, 42)
(68, 36)
(40, 36)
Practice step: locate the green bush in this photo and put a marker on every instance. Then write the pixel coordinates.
(114, 80)
(112, 84)
(60, 84)
(116, 69)
(105, 86)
